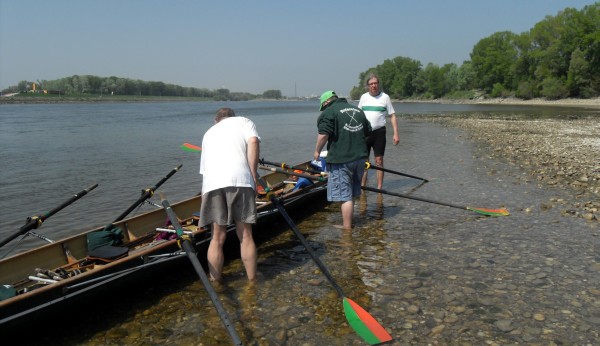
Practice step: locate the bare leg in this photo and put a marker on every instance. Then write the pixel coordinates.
(347, 214)
(247, 248)
(365, 176)
(379, 163)
(215, 251)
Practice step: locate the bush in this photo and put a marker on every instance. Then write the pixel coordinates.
(554, 89)
(525, 91)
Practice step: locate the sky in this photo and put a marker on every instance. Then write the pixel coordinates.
(299, 47)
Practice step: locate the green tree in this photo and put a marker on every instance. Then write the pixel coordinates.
(579, 78)
(272, 94)
(493, 59)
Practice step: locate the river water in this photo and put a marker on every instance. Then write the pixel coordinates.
(429, 274)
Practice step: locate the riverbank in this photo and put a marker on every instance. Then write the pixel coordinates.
(555, 153)
(593, 103)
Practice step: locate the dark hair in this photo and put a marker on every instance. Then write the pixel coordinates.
(224, 113)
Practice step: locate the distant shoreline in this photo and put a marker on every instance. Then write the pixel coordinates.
(593, 103)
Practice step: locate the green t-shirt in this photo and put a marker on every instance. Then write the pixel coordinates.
(347, 128)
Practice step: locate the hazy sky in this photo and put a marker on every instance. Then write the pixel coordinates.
(299, 47)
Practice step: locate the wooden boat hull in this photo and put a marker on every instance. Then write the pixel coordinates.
(37, 300)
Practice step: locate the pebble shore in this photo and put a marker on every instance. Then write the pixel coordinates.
(561, 153)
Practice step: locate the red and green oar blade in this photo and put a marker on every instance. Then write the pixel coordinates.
(490, 212)
(364, 324)
(191, 148)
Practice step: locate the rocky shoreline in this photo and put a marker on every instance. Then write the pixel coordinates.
(593, 103)
(555, 153)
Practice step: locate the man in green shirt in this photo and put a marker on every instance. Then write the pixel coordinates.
(344, 128)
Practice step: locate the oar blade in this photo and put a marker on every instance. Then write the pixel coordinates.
(490, 212)
(191, 148)
(364, 324)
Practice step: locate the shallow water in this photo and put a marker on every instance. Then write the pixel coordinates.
(429, 274)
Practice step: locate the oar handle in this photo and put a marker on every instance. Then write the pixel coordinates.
(147, 193)
(369, 165)
(298, 234)
(191, 253)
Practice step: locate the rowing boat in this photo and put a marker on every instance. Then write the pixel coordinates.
(43, 280)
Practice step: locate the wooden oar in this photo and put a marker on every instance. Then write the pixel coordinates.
(185, 243)
(359, 319)
(369, 165)
(285, 165)
(34, 222)
(281, 170)
(483, 211)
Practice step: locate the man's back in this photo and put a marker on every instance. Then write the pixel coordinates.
(347, 128)
(224, 159)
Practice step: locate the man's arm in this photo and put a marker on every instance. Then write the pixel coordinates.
(253, 154)
(395, 127)
(321, 141)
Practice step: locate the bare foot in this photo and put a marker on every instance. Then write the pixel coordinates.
(342, 227)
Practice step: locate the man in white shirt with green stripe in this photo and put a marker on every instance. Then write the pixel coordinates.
(377, 105)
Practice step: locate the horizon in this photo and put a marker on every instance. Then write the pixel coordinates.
(299, 49)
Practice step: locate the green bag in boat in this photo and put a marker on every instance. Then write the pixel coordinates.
(7, 291)
(110, 235)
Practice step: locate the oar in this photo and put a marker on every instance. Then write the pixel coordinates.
(483, 211)
(369, 165)
(147, 193)
(185, 243)
(359, 319)
(34, 222)
(285, 165)
(190, 147)
(281, 170)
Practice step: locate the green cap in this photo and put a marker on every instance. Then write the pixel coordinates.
(326, 96)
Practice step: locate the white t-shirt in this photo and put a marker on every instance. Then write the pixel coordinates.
(224, 160)
(376, 108)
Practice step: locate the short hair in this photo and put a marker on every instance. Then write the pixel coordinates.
(223, 113)
(369, 77)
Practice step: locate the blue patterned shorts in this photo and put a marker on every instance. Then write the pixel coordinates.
(344, 179)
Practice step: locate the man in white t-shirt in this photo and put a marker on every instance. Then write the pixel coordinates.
(377, 105)
(229, 164)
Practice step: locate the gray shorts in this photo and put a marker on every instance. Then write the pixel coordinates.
(344, 180)
(228, 205)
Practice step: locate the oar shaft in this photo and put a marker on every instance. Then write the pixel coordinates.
(191, 253)
(285, 165)
(281, 170)
(298, 234)
(147, 194)
(36, 221)
(413, 197)
(369, 165)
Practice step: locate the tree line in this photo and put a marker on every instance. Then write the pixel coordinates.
(100, 86)
(558, 58)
